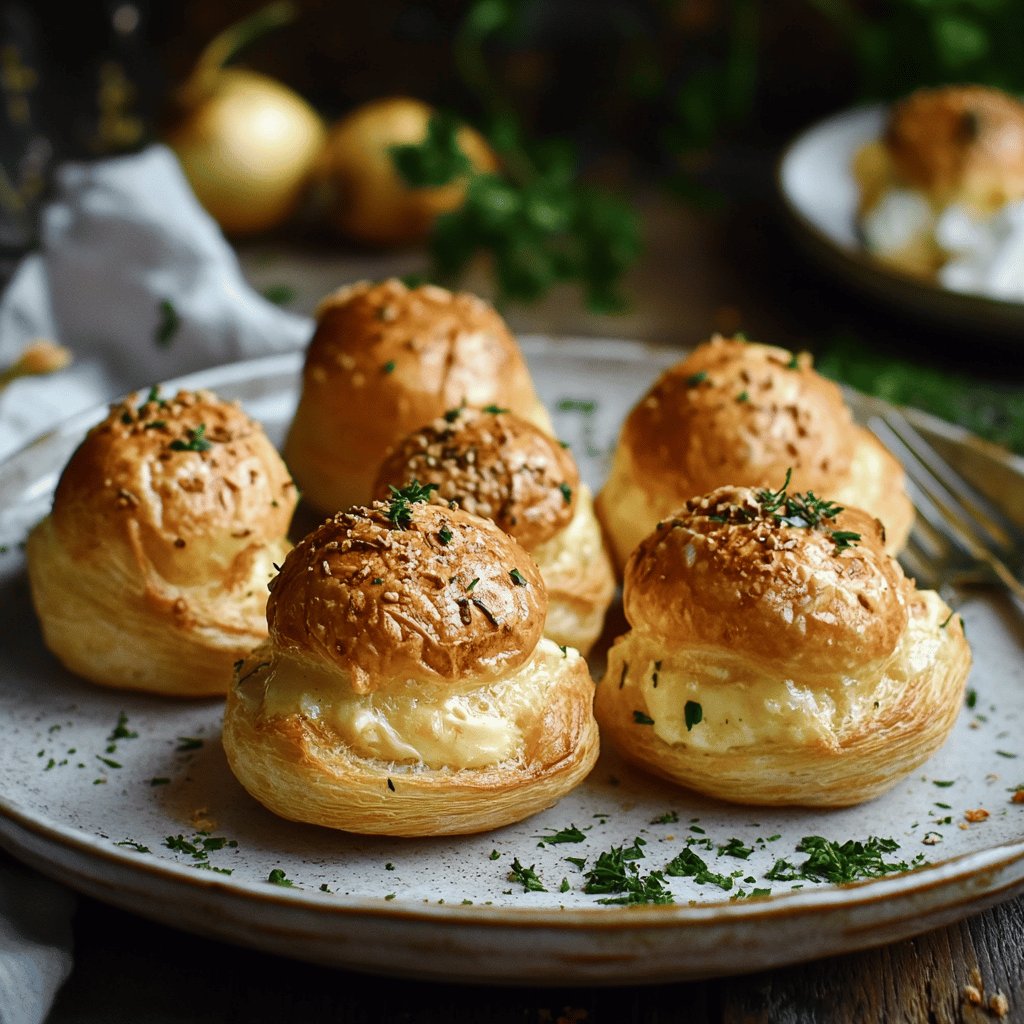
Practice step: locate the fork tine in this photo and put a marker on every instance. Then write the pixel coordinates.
(948, 487)
(931, 479)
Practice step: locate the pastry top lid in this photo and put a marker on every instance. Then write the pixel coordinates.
(781, 577)
(491, 463)
(407, 589)
(191, 478)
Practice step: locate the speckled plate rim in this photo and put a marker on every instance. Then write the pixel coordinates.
(833, 141)
(914, 901)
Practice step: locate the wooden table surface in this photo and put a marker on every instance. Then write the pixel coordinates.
(700, 274)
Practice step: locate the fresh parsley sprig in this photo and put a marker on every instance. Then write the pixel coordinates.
(805, 511)
(535, 220)
(399, 511)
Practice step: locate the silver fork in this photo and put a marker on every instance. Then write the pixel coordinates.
(960, 537)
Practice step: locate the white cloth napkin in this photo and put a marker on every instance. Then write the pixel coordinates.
(137, 280)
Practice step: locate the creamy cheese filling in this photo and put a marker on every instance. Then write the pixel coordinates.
(741, 708)
(415, 722)
(980, 254)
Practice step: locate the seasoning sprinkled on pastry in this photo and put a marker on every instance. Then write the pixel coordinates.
(384, 360)
(739, 412)
(406, 687)
(778, 655)
(151, 570)
(492, 463)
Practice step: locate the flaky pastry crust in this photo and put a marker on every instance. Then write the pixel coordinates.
(500, 466)
(739, 412)
(151, 570)
(405, 688)
(773, 663)
(384, 360)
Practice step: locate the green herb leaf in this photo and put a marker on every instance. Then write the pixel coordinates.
(517, 578)
(168, 324)
(693, 714)
(526, 877)
(197, 441)
(403, 498)
(279, 294)
(278, 877)
(566, 835)
(640, 718)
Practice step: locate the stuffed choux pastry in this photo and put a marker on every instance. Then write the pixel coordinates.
(150, 573)
(494, 464)
(406, 688)
(778, 655)
(384, 360)
(944, 186)
(738, 412)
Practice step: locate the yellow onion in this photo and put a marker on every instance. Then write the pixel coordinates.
(247, 142)
(365, 197)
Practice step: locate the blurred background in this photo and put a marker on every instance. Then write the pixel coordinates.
(623, 154)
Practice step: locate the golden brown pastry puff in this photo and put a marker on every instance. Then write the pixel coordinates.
(406, 688)
(957, 145)
(738, 412)
(772, 662)
(495, 464)
(151, 571)
(384, 360)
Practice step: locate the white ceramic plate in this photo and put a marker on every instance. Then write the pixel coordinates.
(445, 908)
(816, 184)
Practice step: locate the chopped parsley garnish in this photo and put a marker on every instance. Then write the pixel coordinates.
(453, 414)
(159, 780)
(526, 877)
(566, 835)
(377, 580)
(564, 648)
(197, 441)
(108, 762)
(493, 855)
(972, 695)
(805, 511)
(494, 410)
(794, 362)
(188, 743)
(583, 405)
(566, 492)
(403, 499)
(668, 818)
(743, 396)
(472, 583)
(735, 848)
(564, 887)
(444, 535)
(168, 324)
(640, 718)
(943, 783)
(199, 848)
(155, 425)
(279, 294)
(517, 577)
(278, 877)
(693, 714)
(687, 864)
(121, 730)
(835, 862)
(388, 367)
(615, 871)
(132, 845)
(696, 378)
